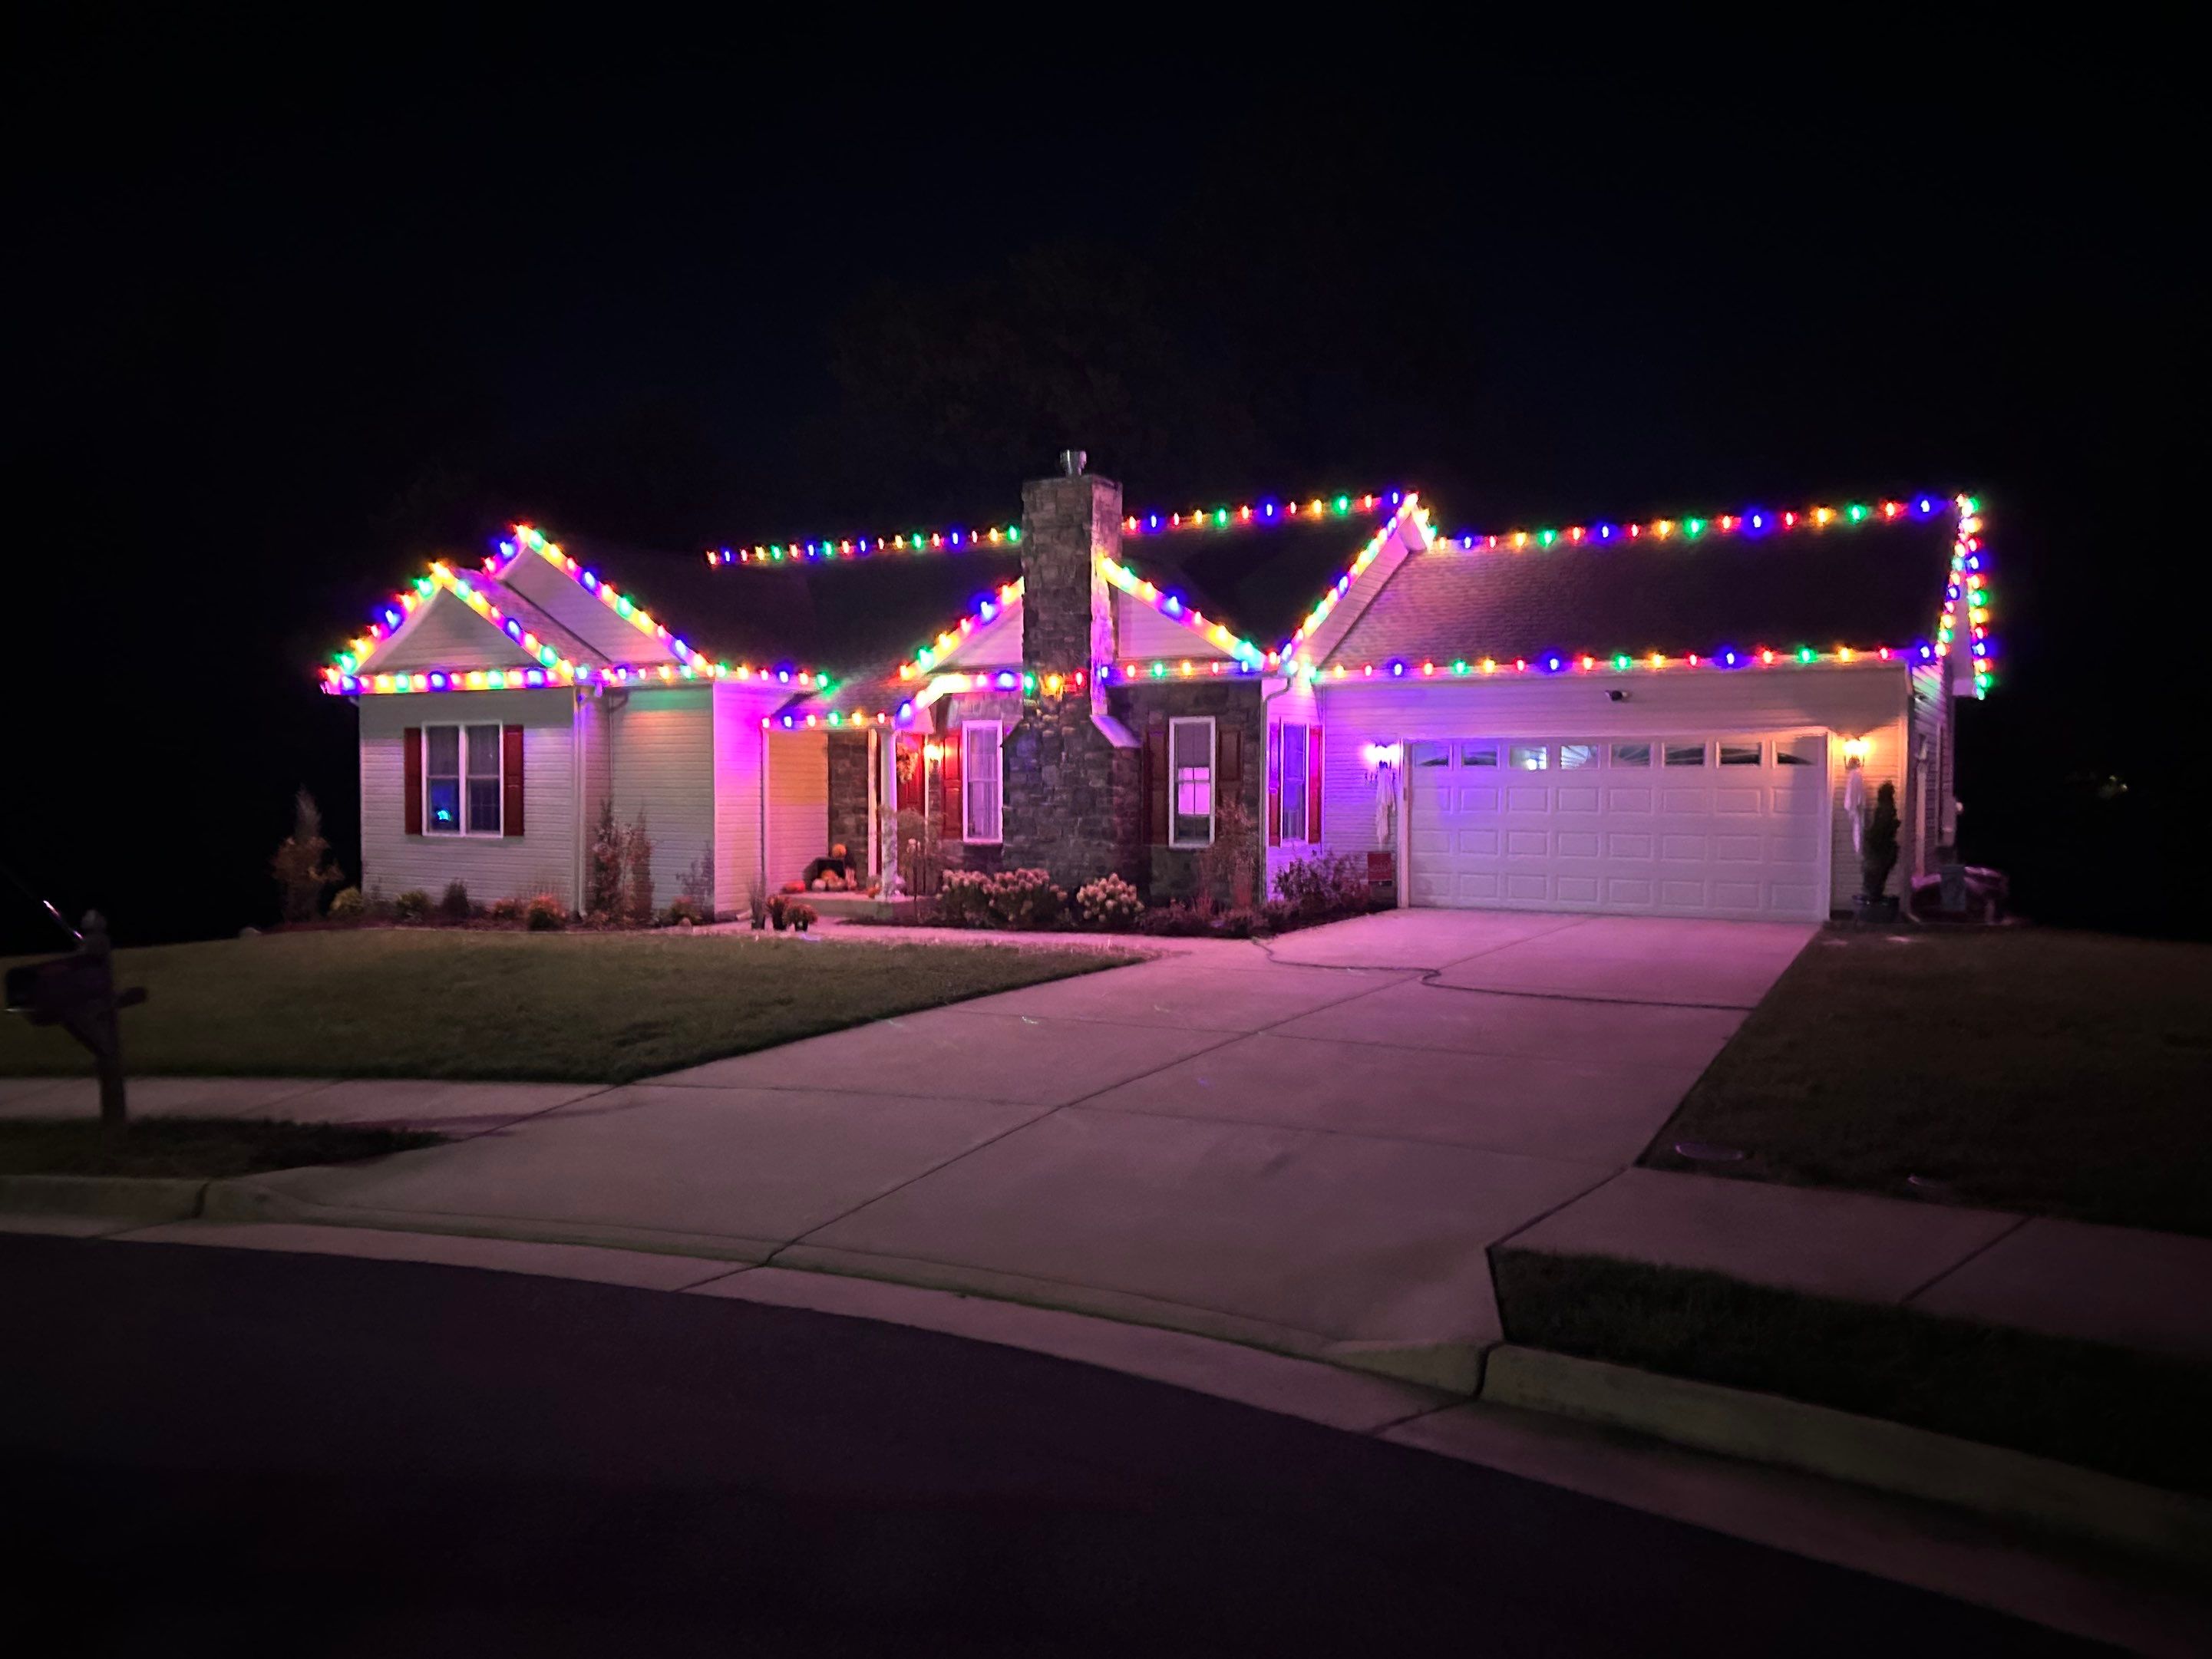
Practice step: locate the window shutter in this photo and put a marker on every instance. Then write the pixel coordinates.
(1156, 782)
(1275, 784)
(411, 742)
(510, 772)
(952, 823)
(1313, 785)
(1230, 739)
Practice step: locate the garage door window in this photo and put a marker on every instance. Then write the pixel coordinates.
(1632, 754)
(1686, 754)
(1574, 755)
(1432, 754)
(1529, 758)
(1478, 754)
(1739, 754)
(1800, 751)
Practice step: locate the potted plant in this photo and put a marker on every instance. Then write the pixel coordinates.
(779, 912)
(1878, 857)
(802, 916)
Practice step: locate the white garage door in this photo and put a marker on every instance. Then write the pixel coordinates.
(1714, 825)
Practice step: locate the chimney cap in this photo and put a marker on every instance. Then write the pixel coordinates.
(1071, 462)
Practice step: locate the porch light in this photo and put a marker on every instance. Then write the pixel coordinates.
(1855, 748)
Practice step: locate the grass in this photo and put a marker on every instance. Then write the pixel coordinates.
(2057, 1074)
(433, 1003)
(210, 1148)
(2138, 1416)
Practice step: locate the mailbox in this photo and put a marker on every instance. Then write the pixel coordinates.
(78, 992)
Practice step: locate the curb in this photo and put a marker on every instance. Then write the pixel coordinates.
(123, 1198)
(1763, 1428)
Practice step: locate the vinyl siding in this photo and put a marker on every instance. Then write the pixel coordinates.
(994, 644)
(541, 859)
(660, 759)
(444, 633)
(1867, 701)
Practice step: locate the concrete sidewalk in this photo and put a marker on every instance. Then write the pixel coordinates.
(1311, 1145)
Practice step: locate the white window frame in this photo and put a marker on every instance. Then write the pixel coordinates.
(1301, 775)
(1213, 779)
(969, 781)
(460, 730)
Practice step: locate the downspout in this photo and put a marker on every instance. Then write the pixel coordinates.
(576, 776)
(760, 845)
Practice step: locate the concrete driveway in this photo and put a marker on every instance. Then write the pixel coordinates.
(1308, 1145)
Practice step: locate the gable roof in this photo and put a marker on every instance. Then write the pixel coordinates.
(1864, 578)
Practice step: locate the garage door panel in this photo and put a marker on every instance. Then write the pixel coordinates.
(1620, 831)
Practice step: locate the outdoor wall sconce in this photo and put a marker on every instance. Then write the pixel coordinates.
(932, 752)
(1855, 750)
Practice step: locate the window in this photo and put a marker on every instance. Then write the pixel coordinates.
(1190, 759)
(982, 780)
(1528, 758)
(460, 780)
(1294, 783)
(1572, 754)
(1432, 754)
(1632, 754)
(1739, 754)
(1478, 754)
(1808, 750)
(1686, 754)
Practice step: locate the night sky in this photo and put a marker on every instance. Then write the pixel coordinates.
(290, 321)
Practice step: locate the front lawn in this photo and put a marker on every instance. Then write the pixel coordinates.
(2058, 1073)
(201, 1148)
(558, 1007)
(2135, 1415)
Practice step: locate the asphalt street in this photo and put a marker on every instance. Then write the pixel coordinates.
(206, 1450)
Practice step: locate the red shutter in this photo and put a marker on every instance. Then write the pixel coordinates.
(411, 742)
(510, 772)
(949, 825)
(1156, 782)
(1313, 784)
(1229, 762)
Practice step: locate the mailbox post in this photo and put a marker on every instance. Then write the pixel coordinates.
(77, 993)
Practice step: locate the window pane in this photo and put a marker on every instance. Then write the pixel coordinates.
(1632, 754)
(442, 811)
(484, 751)
(1739, 754)
(1528, 758)
(1193, 794)
(1194, 744)
(1572, 754)
(483, 806)
(442, 751)
(980, 776)
(1432, 754)
(1800, 751)
(1478, 754)
(1686, 754)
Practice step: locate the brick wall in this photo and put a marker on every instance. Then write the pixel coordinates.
(1171, 872)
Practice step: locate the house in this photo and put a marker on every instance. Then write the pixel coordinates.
(1654, 717)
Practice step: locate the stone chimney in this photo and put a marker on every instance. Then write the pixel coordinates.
(1072, 802)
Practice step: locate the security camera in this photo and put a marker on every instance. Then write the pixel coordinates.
(1616, 696)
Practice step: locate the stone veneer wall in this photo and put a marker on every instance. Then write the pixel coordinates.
(849, 796)
(1171, 872)
(1073, 800)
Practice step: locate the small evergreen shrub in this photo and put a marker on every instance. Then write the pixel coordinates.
(347, 905)
(686, 908)
(1324, 884)
(413, 905)
(455, 906)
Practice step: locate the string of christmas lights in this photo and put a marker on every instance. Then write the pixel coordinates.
(1266, 512)
(862, 547)
(1366, 556)
(1173, 606)
(987, 609)
(1751, 521)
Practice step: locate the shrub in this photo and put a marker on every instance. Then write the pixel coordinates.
(302, 865)
(1878, 844)
(1229, 863)
(504, 909)
(347, 905)
(1011, 898)
(756, 898)
(1177, 921)
(1109, 903)
(684, 908)
(544, 914)
(801, 916)
(603, 880)
(697, 884)
(922, 862)
(1323, 884)
(1239, 923)
(455, 906)
(1277, 914)
(637, 871)
(413, 905)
